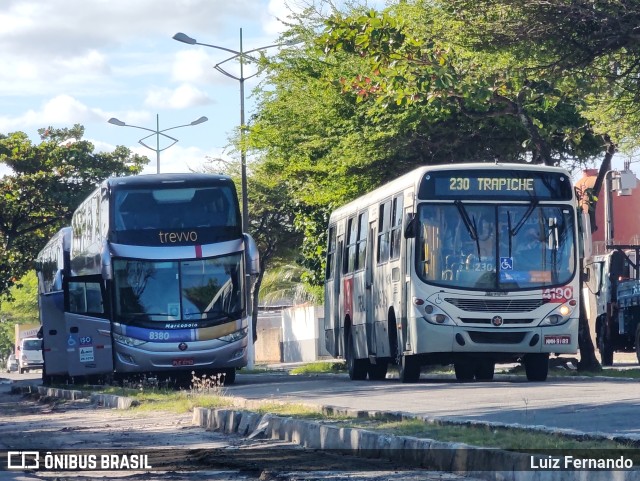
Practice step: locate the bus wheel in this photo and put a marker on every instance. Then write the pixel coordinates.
(357, 367)
(378, 371)
(605, 347)
(465, 371)
(408, 369)
(536, 366)
(229, 376)
(484, 370)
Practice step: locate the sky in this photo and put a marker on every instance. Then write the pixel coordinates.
(86, 61)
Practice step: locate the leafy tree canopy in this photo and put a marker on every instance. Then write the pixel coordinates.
(48, 181)
(372, 95)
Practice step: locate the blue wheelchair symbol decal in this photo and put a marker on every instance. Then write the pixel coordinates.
(506, 263)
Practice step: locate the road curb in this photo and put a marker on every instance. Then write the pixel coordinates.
(407, 451)
(107, 400)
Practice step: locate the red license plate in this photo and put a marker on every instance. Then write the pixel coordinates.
(557, 340)
(182, 362)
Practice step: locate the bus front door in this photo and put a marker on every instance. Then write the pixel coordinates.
(88, 329)
(332, 320)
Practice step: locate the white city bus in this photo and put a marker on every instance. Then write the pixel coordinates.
(469, 264)
(158, 279)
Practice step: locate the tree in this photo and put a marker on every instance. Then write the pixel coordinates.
(47, 183)
(542, 62)
(373, 97)
(20, 306)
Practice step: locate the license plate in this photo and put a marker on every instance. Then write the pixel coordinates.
(557, 340)
(182, 362)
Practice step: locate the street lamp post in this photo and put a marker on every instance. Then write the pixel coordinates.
(242, 56)
(157, 132)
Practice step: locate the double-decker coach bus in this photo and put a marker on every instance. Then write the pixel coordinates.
(159, 276)
(466, 264)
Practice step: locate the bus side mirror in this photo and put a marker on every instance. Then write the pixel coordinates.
(411, 227)
(252, 255)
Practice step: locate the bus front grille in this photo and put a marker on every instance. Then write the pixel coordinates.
(495, 305)
(486, 320)
(481, 337)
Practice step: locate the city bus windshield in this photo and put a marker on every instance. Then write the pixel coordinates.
(492, 247)
(207, 290)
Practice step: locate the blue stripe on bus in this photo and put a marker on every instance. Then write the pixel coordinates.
(160, 335)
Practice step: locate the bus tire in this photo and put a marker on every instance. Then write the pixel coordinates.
(484, 370)
(378, 371)
(536, 366)
(357, 368)
(605, 347)
(638, 342)
(465, 371)
(408, 369)
(228, 376)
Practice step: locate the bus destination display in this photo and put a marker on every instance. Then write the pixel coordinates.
(501, 184)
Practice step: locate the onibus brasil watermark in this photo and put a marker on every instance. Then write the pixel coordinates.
(56, 461)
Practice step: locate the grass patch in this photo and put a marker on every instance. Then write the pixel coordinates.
(180, 402)
(320, 368)
(291, 410)
(487, 436)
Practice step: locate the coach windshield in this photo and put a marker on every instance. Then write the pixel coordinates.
(205, 290)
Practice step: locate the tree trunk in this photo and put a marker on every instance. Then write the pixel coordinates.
(588, 360)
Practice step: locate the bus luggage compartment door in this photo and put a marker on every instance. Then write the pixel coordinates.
(88, 345)
(53, 333)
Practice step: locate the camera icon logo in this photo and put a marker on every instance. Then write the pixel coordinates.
(23, 459)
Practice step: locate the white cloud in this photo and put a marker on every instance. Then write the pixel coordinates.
(194, 65)
(180, 98)
(277, 12)
(91, 61)
(174, 159)
(62, 110)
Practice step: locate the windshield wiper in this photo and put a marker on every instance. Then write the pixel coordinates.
(472, 228)
(513, 232)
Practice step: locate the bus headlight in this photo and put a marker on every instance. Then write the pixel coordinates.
(235, 336)
(558, 316)
(128, 341)
(433, 314)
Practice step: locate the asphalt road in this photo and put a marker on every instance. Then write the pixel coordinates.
(600, 405)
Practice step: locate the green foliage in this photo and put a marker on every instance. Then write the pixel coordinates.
(48, 181)
(21, 303)
(591, 45)
(18, 306)
(372, 95)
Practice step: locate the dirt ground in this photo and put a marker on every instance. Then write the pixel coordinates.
(178, 450)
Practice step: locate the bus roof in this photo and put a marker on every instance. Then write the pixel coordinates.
(414, 177)
(149, 180)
